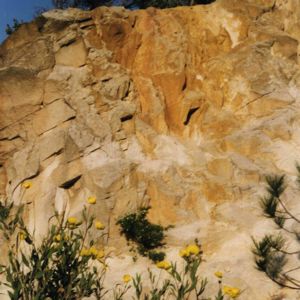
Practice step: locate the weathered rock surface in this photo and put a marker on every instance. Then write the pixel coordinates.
(183, 109)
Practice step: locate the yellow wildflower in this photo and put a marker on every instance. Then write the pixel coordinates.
(93, 251)
(219, 274)
(126, 278)
(85, 252)
(99, 225)
(163, 265)
(193, 249)
(27, 184)
(57, 238)
(183, 253)
(231, 291)
(91, 200)
(72, 220)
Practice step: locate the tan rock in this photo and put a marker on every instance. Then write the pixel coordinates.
(65, 173)
(52, 91)
(25, 164)
(20, 94)
(221, 167)
(72, 55)
(51, 116)
(51, 143)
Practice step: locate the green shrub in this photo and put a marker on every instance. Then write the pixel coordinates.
(138, 229)
(156, 256)
(58, 268)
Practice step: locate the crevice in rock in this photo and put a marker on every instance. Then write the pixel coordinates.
(85, 20)
(68, 184)
(126, 118)
(184, 86)
(126, 93)
(10, 138)
(68, 43)
(54, 154)
(189, 115)
(254, 100)
(87, 27)
(71, 118)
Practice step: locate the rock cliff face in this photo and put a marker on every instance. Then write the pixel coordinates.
(183, 109)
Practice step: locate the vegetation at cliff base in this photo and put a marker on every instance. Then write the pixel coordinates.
(68, 264)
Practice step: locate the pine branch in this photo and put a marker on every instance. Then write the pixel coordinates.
(276, 185)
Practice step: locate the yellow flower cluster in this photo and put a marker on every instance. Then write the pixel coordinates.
(163, 265)
(92, 251)
(27, 184)
(189, 250)
(126, 278)
(99, 225)
(91, 200)
(231, 291)
(58, 237)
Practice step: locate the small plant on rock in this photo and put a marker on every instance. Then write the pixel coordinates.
(146, 235)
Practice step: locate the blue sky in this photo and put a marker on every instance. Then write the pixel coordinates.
(19, 9)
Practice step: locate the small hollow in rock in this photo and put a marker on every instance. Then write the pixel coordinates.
(189, 115)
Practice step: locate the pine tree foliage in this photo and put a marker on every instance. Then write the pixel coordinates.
(91, 4)
(276, 185)
(12, 28)
(271, 253)
(85, 4)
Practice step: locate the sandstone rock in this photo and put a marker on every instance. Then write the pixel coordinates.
(53, 115)
(51, 143)
(37, 56)
(52, 91)
(184, 109)
(72, 55)
(21, 94)
(25, 164)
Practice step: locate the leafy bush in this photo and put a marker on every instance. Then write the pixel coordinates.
(58, 268)
(271, 253)
(139, 230)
